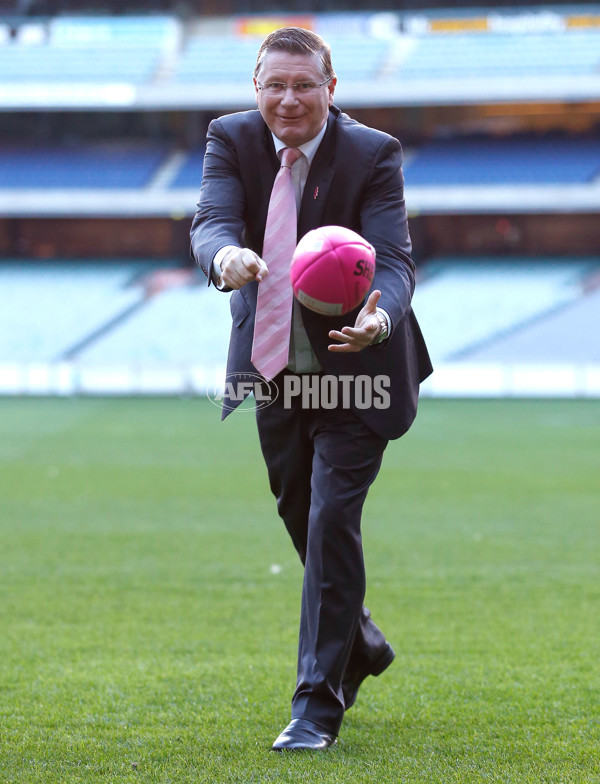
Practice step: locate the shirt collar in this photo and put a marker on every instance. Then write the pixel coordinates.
(309, 148)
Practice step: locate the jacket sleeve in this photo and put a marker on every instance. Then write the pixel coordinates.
(384, 224)
(219, 219)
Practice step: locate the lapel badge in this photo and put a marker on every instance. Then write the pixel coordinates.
(316, 192)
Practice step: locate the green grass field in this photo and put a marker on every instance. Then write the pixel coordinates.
(149, 598)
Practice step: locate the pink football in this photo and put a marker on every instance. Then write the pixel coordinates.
(332, 270)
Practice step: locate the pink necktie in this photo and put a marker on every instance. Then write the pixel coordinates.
(270, 347)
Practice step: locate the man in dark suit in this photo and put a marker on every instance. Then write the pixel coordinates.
(321, 456)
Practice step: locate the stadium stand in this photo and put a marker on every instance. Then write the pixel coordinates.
(408, 59)
(217, 59)
(48, 308)
(567, 334)
(538, 160)
(478, 160)
(194, 64)
(450, 174)
(202, 58)
(463, 304)
(105, 324)
(189, 173)
(370, 63)
(506, 159)
(167, 331)
(125, 165)
(115, 327)
(123, 326)
(90, 49)
(450, 57)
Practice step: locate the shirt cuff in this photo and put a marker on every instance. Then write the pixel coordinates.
(216, 265)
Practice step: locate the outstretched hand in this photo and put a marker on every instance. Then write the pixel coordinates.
(365, 330)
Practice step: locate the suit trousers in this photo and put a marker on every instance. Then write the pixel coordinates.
(321, 463)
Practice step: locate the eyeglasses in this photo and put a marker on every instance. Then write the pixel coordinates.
(278, 89)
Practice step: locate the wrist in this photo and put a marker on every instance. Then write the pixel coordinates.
(382, 334)
(218, 260)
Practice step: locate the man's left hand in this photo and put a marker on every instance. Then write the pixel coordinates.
(365, 330)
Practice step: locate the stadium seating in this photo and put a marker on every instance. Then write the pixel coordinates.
(98, 327)
(567, 334)
(91, 49)
(168, 331)
(228, 59)
(459, 161)
(49, 308)
(464, 305)
(90, 64)
(117, 165)
(509, 159)
(486, 311)
(111, 310)
(451, 57)
(189, 174)
(476, 160)
(135, 49)
(116, 316)
(216, 59)
(359, 57)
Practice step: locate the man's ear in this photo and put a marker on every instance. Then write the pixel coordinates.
(331, 88)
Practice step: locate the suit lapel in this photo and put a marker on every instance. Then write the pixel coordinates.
(318, 182)
(268, 166)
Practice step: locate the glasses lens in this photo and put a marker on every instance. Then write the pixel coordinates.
(300, 88)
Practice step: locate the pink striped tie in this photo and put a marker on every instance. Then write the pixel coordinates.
(270, 347)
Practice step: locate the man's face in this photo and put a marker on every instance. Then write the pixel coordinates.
(293, 118)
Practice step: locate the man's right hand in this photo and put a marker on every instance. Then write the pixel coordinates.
(241, 265)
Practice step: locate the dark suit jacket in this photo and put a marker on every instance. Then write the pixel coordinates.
(355, 181)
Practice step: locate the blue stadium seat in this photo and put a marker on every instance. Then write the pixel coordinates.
(217, 59)
(190, 174)
(481, 308)
(49, 307)
(168, 331)
(510, 160)
(91, 49)
(358, 58)
(92, 64)
(223, 59)
(450, 56)
(464, 303)
(125, 165)
(36, 326)
(478, 160)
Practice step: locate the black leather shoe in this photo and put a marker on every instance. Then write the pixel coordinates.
(303, 735)
(352, 680)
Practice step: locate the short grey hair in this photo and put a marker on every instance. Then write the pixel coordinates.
(296, 40)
